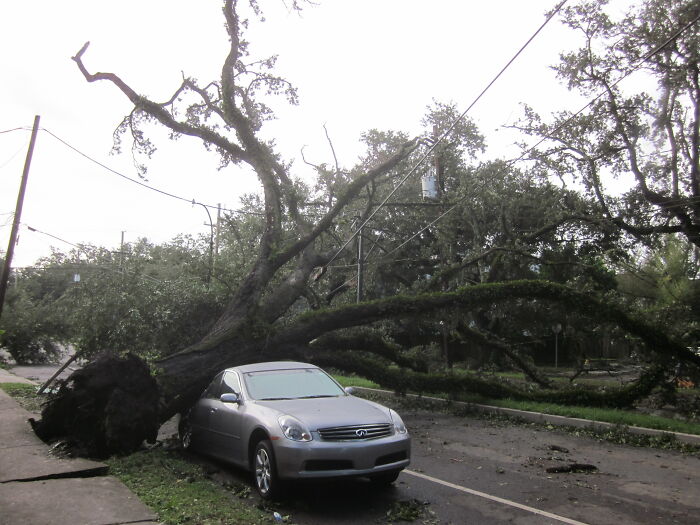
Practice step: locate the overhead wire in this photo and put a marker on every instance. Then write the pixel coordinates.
(82, 249)
(447, 131)
(140, 183)
(22, 128)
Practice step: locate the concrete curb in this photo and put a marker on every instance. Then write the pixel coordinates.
(551, 419)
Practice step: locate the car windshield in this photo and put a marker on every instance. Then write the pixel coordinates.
(291, 384)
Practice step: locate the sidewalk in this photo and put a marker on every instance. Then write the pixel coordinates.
(39, 489)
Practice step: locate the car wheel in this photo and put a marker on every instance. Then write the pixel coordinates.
(267, 483)
(185, 433)
(385, 478)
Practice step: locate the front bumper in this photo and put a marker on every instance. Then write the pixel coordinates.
(333, 459)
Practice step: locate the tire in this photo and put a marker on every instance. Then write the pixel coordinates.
(184, 429)
(385, 478)
(265, 477)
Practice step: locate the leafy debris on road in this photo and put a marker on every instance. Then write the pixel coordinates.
(411, 510)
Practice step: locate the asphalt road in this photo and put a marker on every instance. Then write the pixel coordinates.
(475, 471)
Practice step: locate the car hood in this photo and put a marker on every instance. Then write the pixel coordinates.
(331, 411)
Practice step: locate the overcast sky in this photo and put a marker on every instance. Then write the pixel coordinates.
(358, 64)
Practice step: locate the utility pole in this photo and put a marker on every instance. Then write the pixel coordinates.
(218, 229)
(18, 214)
(121, 253)
(215, 235)
(211, 242)
(436, 162)
(360, 263)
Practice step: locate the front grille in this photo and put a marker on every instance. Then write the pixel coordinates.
(356, 432)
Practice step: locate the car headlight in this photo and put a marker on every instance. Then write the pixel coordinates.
(398, 422)
(294, 429)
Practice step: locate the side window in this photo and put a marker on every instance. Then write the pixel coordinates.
(230, 384)
(212, 391)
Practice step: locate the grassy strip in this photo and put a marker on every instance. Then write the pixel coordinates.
(181, 493)
(618, 434)
(614, 416)
(355, 381)
(25, 395)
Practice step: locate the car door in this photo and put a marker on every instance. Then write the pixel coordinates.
(200, 416)
(225, 421)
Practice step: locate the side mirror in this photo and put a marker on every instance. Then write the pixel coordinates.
(349, 390)
(231, 397)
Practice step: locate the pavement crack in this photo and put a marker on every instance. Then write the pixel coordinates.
(93, 472)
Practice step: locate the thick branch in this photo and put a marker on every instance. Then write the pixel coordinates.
(159, 112)
(312, 325)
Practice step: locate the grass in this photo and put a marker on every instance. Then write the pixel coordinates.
(180, 492)
(614, 416)
(355, 381)
(25, 395)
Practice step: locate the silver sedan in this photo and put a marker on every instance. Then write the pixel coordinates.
(287, 420)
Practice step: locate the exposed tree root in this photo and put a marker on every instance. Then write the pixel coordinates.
(108, 406)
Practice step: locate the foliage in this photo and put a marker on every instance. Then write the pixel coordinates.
(664, 287)
(33, 327)
(149, 299)
(647, 139)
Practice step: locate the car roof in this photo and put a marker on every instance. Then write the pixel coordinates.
(273, 365)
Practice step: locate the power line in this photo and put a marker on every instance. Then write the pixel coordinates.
(82, 249)
(135, 181)
(447, 131)
(36, 230)
(24, 128)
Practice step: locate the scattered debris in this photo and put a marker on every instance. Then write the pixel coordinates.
(407, 510)
(572, 467)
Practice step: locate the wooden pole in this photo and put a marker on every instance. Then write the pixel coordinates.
(18, 215)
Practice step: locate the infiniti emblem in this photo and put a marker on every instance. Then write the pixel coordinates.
(361, 432)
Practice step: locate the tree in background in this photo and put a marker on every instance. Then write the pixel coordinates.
(627, 132)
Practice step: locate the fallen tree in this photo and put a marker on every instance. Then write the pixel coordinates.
(114, 403)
